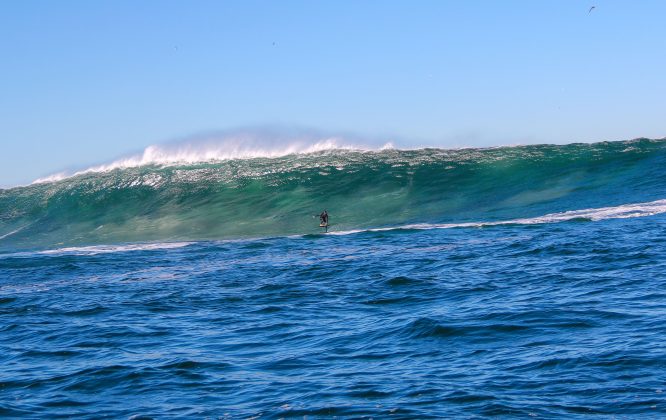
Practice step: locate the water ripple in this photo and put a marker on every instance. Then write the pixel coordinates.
(559, 321)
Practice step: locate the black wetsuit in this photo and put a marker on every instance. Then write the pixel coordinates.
(323, 218)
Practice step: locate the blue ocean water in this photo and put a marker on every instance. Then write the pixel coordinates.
(500, 291)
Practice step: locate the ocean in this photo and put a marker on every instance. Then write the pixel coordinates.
(510, 282)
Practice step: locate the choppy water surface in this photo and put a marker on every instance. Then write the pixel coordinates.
(510, 282)
(549, 320)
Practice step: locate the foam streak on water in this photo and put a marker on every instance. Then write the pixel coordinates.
(617, 212)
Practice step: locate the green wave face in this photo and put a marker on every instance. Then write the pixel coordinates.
(279, 196)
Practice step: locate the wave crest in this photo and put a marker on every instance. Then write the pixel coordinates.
(243, 145)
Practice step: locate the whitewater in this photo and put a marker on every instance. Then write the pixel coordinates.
(193, 281)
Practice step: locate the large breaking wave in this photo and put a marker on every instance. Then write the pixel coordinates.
(228, 191)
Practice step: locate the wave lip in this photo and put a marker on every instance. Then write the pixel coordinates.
(235, 146)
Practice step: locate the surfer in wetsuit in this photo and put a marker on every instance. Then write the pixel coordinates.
(323, 218)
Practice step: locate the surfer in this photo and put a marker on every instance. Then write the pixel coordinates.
(323, 219)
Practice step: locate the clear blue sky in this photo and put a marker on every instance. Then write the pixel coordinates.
(82, 82)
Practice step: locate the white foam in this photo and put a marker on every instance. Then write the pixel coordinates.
(227, 147)
(594, 214)
(107, 249)
(99, 249)
(6, 235)
(12, 232)
(51, 178)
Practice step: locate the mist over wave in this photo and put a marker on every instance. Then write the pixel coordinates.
(246, 189)
(240, 144)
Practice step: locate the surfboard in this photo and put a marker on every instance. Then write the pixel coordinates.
(323, 224)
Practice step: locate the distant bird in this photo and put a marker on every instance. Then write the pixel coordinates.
(591, 8)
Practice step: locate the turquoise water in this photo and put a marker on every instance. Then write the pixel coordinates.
(278, 196)
(512, 282)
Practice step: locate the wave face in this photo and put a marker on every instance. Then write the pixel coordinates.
(275, 196)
